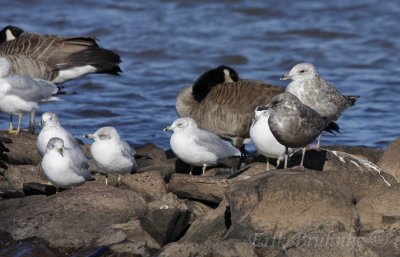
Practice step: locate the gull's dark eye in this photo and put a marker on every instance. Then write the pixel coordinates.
(302, 71)
(102, 136)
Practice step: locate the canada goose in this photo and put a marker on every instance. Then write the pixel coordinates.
(112, 153)
(21, 94)
(9, 33)
(317, 93)
(294, 124)
(221, 103)
(197, 146)
(55, 58)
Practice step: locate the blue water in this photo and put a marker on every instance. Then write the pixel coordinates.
(166, 44)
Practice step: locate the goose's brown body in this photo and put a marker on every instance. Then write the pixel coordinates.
(228, 108)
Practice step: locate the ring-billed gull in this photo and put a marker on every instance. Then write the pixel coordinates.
(112, 153)
(262, 137)
(197, 146)
(21, 94)
(55, 58)
(294, 124)
(317, 93)
(52, 128)
(61, 167)
(223, 104)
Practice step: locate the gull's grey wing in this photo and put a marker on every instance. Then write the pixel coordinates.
(126, 150)
(30, 89)
(78, 162)
(215, 144)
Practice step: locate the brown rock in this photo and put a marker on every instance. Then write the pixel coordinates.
(227, 248)
(350, 173)
(197, 209)
(72, 218)
(129, 231)
(390, 160)
(369, 153)
(27, 249)
(340, 244)
(17, 175)
(385, 241)
(210, 189)
(150, 185)
(21, 150)
(212, 225)
(283, 202)
(378, 211)
(181, 249)
(152, 153)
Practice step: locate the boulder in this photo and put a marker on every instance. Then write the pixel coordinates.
(150, 185)
(350, 173)
(181, 249)
(339, 244)
(369, 153)
(281, 203)
(152, 154)
(17, 175)
(20, 149)
(390, 160)
(212, 225)
(385, 241)
(378, 211)
(204, 188)
(73, 218)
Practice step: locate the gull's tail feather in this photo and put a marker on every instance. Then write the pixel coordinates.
(331, 127)
(352, 99)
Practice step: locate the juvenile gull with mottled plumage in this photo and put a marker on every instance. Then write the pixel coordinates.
(317, 93)
(262, 137)
(294, 124)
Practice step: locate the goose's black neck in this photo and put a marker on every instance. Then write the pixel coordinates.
(211, 78)
(15, 31)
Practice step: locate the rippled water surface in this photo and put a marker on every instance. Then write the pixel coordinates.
(166, 44)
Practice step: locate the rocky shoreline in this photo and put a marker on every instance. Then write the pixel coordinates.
(344, 204)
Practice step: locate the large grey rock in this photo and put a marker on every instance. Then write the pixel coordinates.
(385, 241)
(212, 225)
(21, 149)
(348, 172)
(212, 247)
(390, 160)
(369, 153)
(73, 218)
(340, 244)
(378, 211)
(150, 185)
(284, 202)
(204, 188)
(17, 175)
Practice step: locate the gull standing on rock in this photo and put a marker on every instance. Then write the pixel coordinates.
(197, 146)
(317, 93)
(60, 166)
(21, 94)
(111, 153)
(294, 124)
(262, 137)
(52, 128)
(223, 104)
